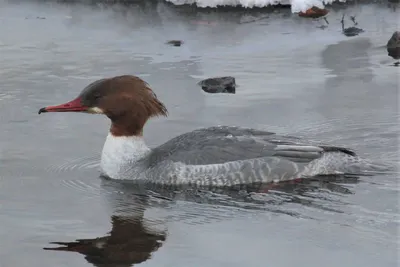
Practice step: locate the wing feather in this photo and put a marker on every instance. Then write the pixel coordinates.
(216, 145)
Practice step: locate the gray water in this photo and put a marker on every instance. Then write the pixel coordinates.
(294, 78)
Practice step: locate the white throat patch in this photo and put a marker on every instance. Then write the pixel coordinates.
(120, 153)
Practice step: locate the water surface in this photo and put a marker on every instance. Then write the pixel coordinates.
(293, 77)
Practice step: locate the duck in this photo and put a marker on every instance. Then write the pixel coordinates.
(208, 156)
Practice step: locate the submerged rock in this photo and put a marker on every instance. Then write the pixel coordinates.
(219, 85)
(314, 12)
(393, 45)
(175, 42)
(351, 31)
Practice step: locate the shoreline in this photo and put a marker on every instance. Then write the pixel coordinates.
(336, 5)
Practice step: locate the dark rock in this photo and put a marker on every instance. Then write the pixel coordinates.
(393, 45)
(351, 31)
(175, 42)
(219, 85)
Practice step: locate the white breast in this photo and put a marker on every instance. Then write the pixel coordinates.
(121, 154)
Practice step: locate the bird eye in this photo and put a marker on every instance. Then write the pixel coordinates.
(96, 97)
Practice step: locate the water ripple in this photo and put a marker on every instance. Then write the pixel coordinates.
(87, 186)
(76, 164)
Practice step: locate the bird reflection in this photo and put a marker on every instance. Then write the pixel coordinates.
(131, 241)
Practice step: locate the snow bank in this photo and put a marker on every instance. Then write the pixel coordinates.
(297, 5)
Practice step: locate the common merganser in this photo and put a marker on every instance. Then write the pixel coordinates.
(214, 156)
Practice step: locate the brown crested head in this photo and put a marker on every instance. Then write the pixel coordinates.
(127, 100)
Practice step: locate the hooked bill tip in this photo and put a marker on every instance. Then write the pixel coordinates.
(42, 110)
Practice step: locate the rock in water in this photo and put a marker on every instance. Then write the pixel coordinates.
(175, 42)
(219, 85)
(352, 31)
(393, 45)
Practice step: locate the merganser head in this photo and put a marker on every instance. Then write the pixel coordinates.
(127, 100)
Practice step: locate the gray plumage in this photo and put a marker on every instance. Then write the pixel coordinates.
(226, 156)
